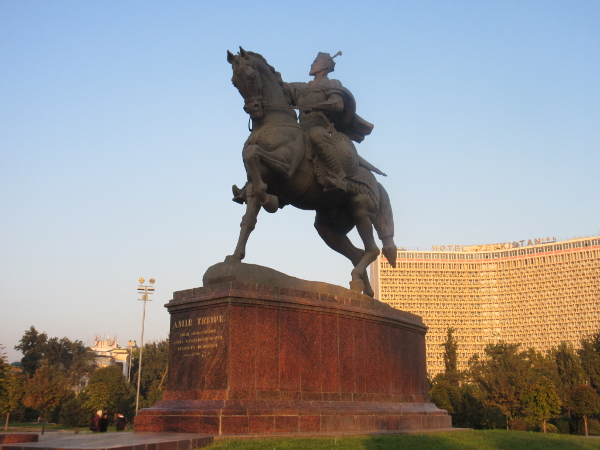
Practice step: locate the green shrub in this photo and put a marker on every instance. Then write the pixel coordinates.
(579, 426)
(539, 427)
(563, 425)
(493, 418)
(73, 414)
(445, 395)
(471, 409)
(517, 425)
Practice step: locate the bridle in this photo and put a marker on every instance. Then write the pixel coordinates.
(256, 98)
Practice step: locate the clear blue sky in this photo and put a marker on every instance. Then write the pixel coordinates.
(121, 135)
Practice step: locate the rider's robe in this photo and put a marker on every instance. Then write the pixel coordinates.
(347, 122)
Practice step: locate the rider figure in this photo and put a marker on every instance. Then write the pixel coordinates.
(326, 106)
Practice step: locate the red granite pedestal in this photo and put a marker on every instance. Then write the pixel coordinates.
(256, 359)
(16, 438)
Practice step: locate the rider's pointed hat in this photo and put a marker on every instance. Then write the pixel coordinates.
(328, 59)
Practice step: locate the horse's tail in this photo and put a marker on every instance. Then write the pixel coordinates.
(384, 225)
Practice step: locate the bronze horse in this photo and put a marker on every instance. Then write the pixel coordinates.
(281, 171)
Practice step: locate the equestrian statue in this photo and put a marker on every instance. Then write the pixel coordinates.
(310, 163)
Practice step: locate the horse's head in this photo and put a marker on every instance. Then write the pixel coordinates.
(248, 81)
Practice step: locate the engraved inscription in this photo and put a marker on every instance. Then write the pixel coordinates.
(197, 337)
(182, 323)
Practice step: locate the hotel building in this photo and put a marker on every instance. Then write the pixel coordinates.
(537, 292)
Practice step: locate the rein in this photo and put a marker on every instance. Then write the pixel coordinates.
(259, 98)
(264, 104)
(256, 135)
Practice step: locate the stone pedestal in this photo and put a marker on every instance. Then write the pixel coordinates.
(17, 438)
(250, 358)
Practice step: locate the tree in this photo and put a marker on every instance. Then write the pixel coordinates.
(451, 357)
(14, 390)
(503, 376)
(585, 401)
(32, 346)
(46, 390)
(542, 402)
(445, 395)
(542, 364)
(72, 357)
(471, 413)
(78, 361)
(154, 371)
(3, 360)
(73, 411)
(8, 387)
(3, 368)
(98, 397)
(590, 359)
(108, 389)
(570, 372)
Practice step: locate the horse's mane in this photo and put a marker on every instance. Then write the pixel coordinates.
(262, 58)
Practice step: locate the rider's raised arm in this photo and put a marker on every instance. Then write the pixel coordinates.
(293, 91)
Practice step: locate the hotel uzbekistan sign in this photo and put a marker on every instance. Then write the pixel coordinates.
(492, 247)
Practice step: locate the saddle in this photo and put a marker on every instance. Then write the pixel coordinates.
(357, 169)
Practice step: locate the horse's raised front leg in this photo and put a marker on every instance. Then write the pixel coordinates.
(248, 223)
(256, 158)
(251, 156)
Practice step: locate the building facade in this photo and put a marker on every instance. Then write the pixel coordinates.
(108, 352)
(537, 293)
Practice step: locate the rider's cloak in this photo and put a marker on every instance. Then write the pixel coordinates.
(347, 122)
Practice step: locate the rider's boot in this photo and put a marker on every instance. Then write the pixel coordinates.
(239, 195)
(335, 180)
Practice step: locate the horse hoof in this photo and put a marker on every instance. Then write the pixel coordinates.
(232, 259)
(357, 286)
(271, 204)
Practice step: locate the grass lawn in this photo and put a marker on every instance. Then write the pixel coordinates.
(463, 440)
(33, 426)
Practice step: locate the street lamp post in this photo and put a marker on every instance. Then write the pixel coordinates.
(131, 344)
(145, 290)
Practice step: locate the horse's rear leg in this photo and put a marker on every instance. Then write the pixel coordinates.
(363, 217)
(248, 223)
(335, 237)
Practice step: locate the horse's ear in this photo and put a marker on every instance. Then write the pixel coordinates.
(230, 57)
(242, 52)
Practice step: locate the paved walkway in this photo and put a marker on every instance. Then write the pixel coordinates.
(116, 441)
